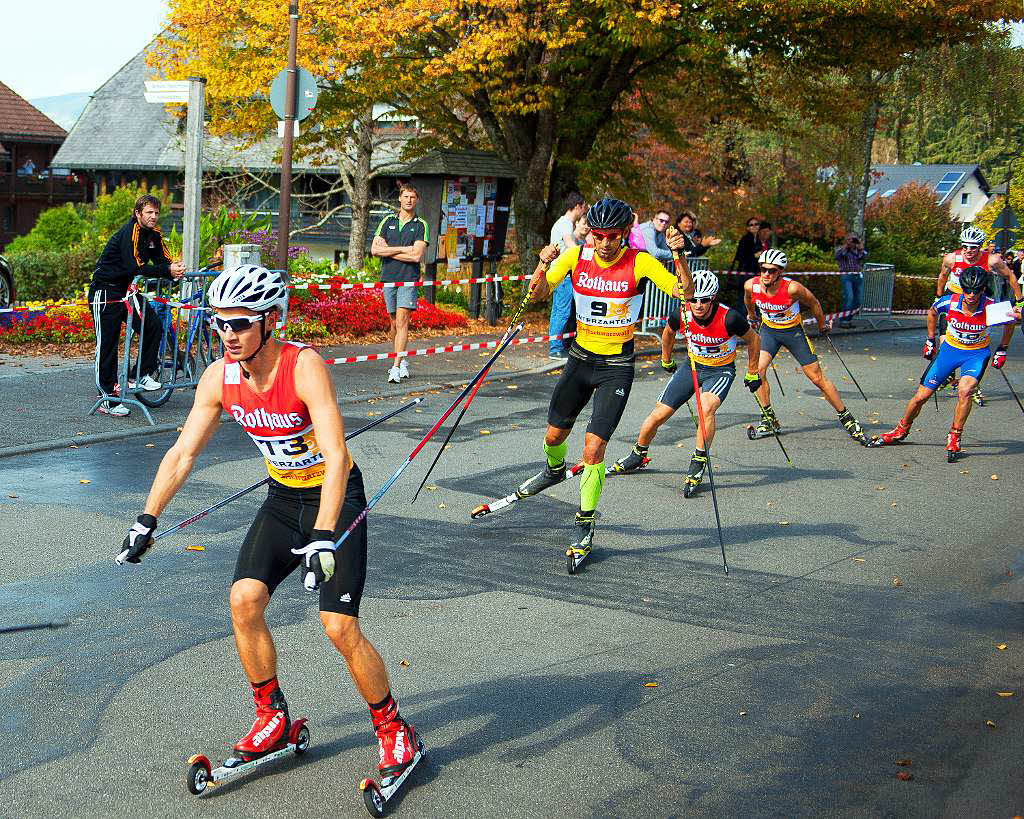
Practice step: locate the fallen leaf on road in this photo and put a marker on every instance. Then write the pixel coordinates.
(1001, 646)
(965, 472)
(485, 432)
(905, 466)
(856, 716)
(404, 663)
(1005, 693)
(73, 446)
(650, 685)
(783, 523)
(417, 410)
(195, 547)
(441, 506)
(512, 387)
(880, 487)
(906, 776)
(873, 358)
(897, 582)
(179, 429)
(771, 504)
(906, 763)
(894, 505)
(85, 480)
(12, 496)
(150, 446)
(990, 724)
(995, 477)
(431, 488)
(858, 560)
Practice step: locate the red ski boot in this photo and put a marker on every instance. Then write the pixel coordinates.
(895, 435)
(270, 730)
(396, 739)
(953, 443)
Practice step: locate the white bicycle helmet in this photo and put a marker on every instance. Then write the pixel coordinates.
(253, 287)
(773, 256)
(705, 284)
(972, 236)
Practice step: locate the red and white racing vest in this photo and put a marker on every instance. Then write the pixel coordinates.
(608, 302)
(277, 421)
(964, 330)
(712, 344)
(778, 311)
(960, 264)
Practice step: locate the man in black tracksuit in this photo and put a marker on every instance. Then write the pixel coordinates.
(136, 249)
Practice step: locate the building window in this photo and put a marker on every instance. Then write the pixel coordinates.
(965, 199)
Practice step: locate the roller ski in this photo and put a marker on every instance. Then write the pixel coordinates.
(579, 551)
(769, 425)
(953, 450)
(636, 460)
(545, 479)
(895, 435)
(698, 463)
(272, 736)
(400, 751)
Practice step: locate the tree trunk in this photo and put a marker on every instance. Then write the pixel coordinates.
(360, 191)
(858, 197)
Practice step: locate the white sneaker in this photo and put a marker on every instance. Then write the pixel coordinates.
(403, 370)
(148, 383)
(394, 375)
(117, 410)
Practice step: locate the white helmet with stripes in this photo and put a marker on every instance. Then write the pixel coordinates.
(773, 256)
(253, 287)
(972, 236)
(705, 284)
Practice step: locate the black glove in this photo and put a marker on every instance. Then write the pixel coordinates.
(318, 559)
(139, 540)
(752, 381)
(929, 349)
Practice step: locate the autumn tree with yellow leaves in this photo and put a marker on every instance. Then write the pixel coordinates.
(537, 81)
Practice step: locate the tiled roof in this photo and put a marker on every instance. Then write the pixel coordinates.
(119, 130)
(460, 163)
(894, 177)
(19, 119)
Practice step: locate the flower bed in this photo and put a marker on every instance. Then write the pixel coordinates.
(49, 324)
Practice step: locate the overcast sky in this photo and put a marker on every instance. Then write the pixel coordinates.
(69, 46)
(66, 46)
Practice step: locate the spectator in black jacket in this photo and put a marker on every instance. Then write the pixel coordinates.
(136, 249)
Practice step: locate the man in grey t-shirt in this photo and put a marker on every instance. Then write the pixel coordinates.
(400, 241)
(561, 301)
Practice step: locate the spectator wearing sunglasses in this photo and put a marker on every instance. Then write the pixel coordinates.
(655, 242)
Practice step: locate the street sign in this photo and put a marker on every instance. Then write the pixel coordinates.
(1006, 219)
(306, 93)
(167, 91)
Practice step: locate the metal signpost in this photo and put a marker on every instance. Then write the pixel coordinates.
(192, 92)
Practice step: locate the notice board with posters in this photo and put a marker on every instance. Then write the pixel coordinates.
(474, 218)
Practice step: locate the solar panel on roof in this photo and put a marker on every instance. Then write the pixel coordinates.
(952, 176)
(944, 187)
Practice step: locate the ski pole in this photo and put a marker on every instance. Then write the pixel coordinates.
(775, 432)
(779, 380)
(684, 321)
(515, 317)
(1013, 392)
(248, 489)
(31, 627)
(828, 338)
(423, 442)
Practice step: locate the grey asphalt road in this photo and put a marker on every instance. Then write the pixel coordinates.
(858, 627)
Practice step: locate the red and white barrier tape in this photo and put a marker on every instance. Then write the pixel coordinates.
(451, 348)
(424, 283)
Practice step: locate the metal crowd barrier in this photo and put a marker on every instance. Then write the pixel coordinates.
(879, 280)
(187, 342)
(659, 305)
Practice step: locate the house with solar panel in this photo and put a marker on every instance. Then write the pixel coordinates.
(962, 187)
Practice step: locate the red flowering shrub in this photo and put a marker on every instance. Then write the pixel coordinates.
(360, 311)
(60, 325)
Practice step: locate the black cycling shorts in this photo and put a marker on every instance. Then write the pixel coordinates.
(592, 375)
(285, 521)
(793, 339)
(713, 380)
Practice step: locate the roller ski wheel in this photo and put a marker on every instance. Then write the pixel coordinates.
(376, 795)
(578, 552)
(761, 430)
(202, 775)
(690, 487)
(953, 451)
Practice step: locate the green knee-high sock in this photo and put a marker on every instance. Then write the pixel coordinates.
(556, 454)
(591, 485)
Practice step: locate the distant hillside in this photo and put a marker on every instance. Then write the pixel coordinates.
(63, 110)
